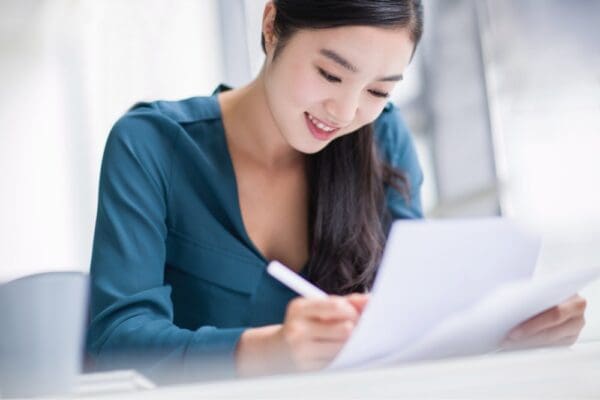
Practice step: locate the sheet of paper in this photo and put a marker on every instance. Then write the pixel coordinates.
(432, 269)
(481, 328)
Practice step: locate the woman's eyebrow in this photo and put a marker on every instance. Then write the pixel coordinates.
(332, 55)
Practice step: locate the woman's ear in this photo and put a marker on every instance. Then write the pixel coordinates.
(268, 27)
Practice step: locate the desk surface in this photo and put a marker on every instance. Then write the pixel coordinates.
(547, 373)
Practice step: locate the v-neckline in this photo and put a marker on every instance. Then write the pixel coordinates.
(239, 220)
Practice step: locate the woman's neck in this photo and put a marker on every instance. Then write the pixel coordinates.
(251, 128)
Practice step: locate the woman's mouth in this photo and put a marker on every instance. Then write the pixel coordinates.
(318, 128)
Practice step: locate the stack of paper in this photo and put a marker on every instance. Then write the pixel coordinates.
(450, 288)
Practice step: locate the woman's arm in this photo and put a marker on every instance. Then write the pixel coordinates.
(131, 314)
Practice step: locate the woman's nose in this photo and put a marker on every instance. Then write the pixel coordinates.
(342, 111)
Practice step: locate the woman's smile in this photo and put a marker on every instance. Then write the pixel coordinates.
(319, 129)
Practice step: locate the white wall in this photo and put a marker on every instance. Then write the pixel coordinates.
(68, 69)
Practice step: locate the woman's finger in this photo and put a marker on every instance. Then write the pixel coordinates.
(567, 341)
(358, 300)
(312, 365)
(554, 316)
(327, 309)
(321, 350)
(330, 331)
(564, 333)
(569, 328)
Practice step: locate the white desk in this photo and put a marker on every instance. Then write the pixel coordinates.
(564, 373)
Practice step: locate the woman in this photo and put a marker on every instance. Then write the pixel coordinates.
(307, 164)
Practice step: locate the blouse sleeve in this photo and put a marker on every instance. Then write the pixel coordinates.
(397, 148)
(131, 313)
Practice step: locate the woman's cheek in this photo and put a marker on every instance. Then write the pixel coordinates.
(307, 91)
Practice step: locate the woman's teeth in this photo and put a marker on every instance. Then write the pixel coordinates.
(320, 125)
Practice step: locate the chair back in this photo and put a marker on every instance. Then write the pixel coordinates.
(42, 328)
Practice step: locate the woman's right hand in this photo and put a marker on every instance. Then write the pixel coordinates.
(313, 332)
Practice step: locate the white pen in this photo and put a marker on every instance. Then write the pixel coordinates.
(294, 281)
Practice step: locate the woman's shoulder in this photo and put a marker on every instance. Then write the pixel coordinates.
(152, 126)
(145, 142)
(397, 147)
(171, 113)
(185, 111)
(391, 132)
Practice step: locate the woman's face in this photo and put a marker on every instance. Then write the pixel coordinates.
(327, 83)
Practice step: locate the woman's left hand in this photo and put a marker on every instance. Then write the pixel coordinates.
(557, 326)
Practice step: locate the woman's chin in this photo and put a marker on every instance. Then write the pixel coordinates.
(308, 147)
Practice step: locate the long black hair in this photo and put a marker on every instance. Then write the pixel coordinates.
(347, 179)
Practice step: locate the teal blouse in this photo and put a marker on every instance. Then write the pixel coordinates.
(175, 278)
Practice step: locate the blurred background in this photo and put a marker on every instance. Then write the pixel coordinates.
(503, 99)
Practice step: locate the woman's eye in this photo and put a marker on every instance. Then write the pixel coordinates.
(379, 94)
(328, 76)
(335, 79)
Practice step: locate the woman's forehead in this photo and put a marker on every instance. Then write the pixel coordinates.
(359, 46)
